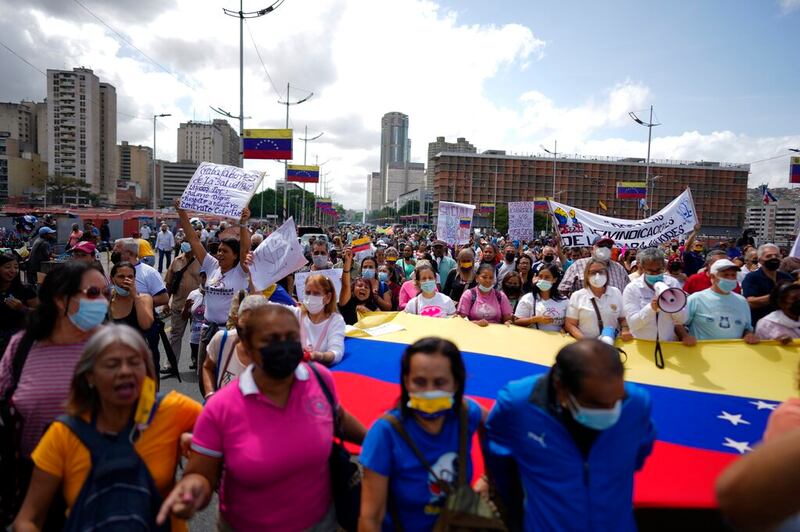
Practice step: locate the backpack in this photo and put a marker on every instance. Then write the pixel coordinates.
(464, 509)
(177, 277)
(474, 292)
(119, 493)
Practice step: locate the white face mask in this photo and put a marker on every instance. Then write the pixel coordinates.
(603, 254)
(598, 280)
(314, 304)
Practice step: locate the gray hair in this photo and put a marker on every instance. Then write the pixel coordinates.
(82, 397)
(253, 302)
(763, 249)
(129, 244)
(714, 255)
(644, 255)
(256, 239)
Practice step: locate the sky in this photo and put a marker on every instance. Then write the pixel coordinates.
(723, 76)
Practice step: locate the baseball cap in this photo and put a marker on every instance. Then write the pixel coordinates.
(439, 243)
(45, 231)
(85, 247)
(600, 240)
(722, 264)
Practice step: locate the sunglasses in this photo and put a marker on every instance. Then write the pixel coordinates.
(96, 293)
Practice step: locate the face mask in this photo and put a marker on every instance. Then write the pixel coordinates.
(91, 313)
(595, 418)
(794, 308)
(653, 279)
(509, 257)
(772, 264)
(280, 359)
(548, 259)
(430, 405)
(121, 291)
(484, 289)
(674, 248)
(368, 274)
(428, 286)
(116, 257)
(383, 276)
(392, 261)
(726, 285)
(320, 261)
(512, 290)
(186, 247)
(598, 280)
(544, 286)
(465, 265)
(602, 254)
(313, 304)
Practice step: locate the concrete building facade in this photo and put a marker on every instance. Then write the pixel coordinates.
(135, 169)
(21, 121)
(374, 187)
(777, 222)
(402, 178)
(214, 142)
(172, 179)
(461, 145)
(395, 148)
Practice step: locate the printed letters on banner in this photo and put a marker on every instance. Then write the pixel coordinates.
(449, 227)
(220, 189)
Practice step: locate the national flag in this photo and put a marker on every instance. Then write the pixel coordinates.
(602, 205)
(794, 170)
(465, 223)
(766, 195)
(631, 189)
(701, 428)
(299, 173)
(486, 208)
(267, 144)
(541, 204)
(361, 244)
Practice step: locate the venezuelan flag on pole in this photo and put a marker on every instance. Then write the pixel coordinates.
(631, 189)
(541, 204)
(267, 144)
(710, 404)
(302, 174)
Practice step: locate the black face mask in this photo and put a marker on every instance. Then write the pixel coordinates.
(794, 308)
(280, 359)
(509, 256)
(116, 257)
(772, 264)
(674, 248)
(548, 258)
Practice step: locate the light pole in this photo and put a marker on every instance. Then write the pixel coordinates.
(554, 153)
(153, 192)
(306, 140)
(649, 125)
(652, 190)
(287, 103)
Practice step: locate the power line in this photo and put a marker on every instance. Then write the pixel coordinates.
(258, 53)
(768, 159)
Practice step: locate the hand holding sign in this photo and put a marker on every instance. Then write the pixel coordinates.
(220, 189)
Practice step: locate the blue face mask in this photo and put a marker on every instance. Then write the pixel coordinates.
(186, 247)
(726, 285)
(653, 279)
(383, 276)
(543, 285)
(368, 274)
(595, 418)
(428, 287)
(485, 289)
(121, 291)
(91, 313)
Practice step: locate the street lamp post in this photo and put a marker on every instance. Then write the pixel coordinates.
(554, 153)
(649, 125)
(153, 191)
(306, 140)
(287, 103)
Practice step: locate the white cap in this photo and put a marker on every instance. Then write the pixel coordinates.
(722, 264)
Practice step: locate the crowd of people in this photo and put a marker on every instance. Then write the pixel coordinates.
(82, 367)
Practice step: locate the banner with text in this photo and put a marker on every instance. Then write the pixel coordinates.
(334, 274)
(455, 220)
(220, 189)
(578, 227)
(520, 220)
(277, 256)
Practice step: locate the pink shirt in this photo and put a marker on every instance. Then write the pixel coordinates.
(490, 307)
(276, 474)
(408, 291)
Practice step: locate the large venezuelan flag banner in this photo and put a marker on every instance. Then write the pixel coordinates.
(710, 403)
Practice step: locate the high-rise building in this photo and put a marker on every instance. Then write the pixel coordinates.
(719, 189)
(395, 147)
(374, 197)
(81, 136)
(776, 222)
(402, 178)
(172, 179)
(214, 142)
(21, 121)
(135, 169)
(441, 145)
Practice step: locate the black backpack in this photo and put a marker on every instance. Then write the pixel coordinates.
(119, 493)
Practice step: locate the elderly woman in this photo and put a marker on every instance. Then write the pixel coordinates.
(109, 381)
(285, 485)
(596, 307)
(782, 324)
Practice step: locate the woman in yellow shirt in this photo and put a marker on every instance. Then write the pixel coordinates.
(112, 389)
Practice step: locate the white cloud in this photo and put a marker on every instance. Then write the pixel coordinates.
(789, 5)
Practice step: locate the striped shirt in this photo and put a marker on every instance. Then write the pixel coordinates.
(43, 386)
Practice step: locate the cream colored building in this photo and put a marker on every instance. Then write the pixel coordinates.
(214, 142)
(135, 168)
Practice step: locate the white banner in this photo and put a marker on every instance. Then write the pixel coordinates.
(277, 256)
(520, 220)
(454, 222)
(334, 274)
(220, 189)
(578, 227)
(796, 248)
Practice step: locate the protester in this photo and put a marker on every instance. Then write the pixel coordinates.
(286, 484)
(127, 305)
(410, 289)
(596, 307)
(41, 251)
(463, 277)
(544, 307)
(108, 383)
(398, 492)
(429, 302)
(320, 257)
(194, 310)
(321, 325)
(617, 276)
(508, 263)
(16, 300)
(782, 324)
(702, 279)
(358, 299)
(84, 251)
(758, 285)
(524, 268)
(444, 264)
(511, 285)
(484, 304)
(105, 234)
(640, 302)
(379, 289)
(388, 274)
(675, 271)
(548, 258)
(576, 435)
(182, 278)
(146, 253)
(74, 236)
(407, 263)
(144, 230)
(693, 258)
(391, 259)
(165, 243)
(148, 280)
(717, 313)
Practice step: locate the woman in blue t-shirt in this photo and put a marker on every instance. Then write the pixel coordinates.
(396, 483)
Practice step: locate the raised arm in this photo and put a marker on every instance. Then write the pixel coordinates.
(191, 236)
(244, 237)
(347, 265)
(689, 241)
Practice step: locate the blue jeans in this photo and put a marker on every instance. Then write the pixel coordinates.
(161, 255)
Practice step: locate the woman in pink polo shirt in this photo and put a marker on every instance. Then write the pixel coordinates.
(271, 430)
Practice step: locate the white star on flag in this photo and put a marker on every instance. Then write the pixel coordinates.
(763, 405)
(735, 419)
(741, 446)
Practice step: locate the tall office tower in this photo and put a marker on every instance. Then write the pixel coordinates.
(214, 142)
(109, 169)
(136, 168)
(395, 148)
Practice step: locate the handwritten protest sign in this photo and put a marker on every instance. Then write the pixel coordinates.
(277, 256)
(220, 189)
(454, 222)
(520, 220)
(334, 274)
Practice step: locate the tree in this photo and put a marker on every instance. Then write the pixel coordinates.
(58, 188)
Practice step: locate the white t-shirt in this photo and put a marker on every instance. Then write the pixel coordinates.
(148, 280)
(197, 314)
(311, 334)
(234, 367)
(221, 287)
(581, 308)
(438, 306)
(529, 306)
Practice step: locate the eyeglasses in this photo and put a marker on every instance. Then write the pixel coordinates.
(96, 293)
